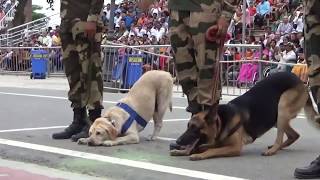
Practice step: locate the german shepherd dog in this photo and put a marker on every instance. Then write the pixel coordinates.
(272, 102)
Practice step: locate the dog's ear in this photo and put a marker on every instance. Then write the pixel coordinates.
(111, 130)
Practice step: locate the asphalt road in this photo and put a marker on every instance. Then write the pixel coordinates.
(30, 116)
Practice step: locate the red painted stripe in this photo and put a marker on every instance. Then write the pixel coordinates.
(17, 174)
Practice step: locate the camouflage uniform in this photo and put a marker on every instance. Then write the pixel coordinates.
(195, 58)
(312, 55)
(312, 44)
(81, 58)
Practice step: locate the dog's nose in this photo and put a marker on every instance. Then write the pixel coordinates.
(174, 146)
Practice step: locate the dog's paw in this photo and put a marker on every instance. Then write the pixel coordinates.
(176, 152)
(196, 157)
(269, 152)
(151, 138)
(82, 141)
(107, 143)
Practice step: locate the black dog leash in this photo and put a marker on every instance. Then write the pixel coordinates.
(231, 132)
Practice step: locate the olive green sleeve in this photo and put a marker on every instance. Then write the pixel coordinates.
(95, 10)
(229, 8)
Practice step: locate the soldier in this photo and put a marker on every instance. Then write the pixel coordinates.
(81, 28)
(197, 32)
(312, 54)
(196, 51)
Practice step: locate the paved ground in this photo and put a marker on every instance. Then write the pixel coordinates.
(30, 115)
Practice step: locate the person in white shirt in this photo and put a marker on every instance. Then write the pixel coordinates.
(158, 31)
(288, 56)
(7, 6)
(107, 10)
(155, 9)
(299, 22)
(8, 59)
(284, 27)
(47, 40)
(133, 31)
(165, 24)
(117, 19)
(141, 30)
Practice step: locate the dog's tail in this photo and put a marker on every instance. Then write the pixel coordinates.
(311, 114)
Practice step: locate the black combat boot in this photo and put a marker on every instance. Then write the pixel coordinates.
(193, 107)
(79, 117)
(93, 115)
(310, 172)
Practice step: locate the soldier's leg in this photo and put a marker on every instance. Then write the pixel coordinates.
(206, 55)
(95, 82)
(312, 50)
(95, 86)
(90, 74)
(184, 57)
(70, 58)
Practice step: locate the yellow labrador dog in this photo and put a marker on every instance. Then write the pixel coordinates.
(149, 97)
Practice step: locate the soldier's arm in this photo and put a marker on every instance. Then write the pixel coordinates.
(95, 10)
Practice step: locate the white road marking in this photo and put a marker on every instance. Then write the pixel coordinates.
(166, 139)
(119, 161)
(32, 129)
(63, 98)
(174, 120)
(4, 175)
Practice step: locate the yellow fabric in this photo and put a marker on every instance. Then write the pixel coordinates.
(301, 72)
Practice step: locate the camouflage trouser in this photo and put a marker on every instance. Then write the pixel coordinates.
(195, 58)
(312, 45)
(82, 62)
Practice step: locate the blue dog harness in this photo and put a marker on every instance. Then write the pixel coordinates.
(133, 115)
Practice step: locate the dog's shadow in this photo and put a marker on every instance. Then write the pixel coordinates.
(251, 151)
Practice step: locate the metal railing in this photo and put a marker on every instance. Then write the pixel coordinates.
(122, 65)
(237, 76)
(17, 60)
(17, 35)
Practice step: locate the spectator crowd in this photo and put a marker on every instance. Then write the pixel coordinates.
(5, 6)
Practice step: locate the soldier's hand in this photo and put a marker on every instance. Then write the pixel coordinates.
(90, 29)
(217, 33)
(211, 34)
(144, 4)
(222, 27)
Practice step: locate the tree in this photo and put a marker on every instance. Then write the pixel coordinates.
(23, 13)
(36, 15)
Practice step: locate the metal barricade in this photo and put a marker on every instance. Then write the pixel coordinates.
(123, 65)
(117, 64)
(239, 71)
(17, 60)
